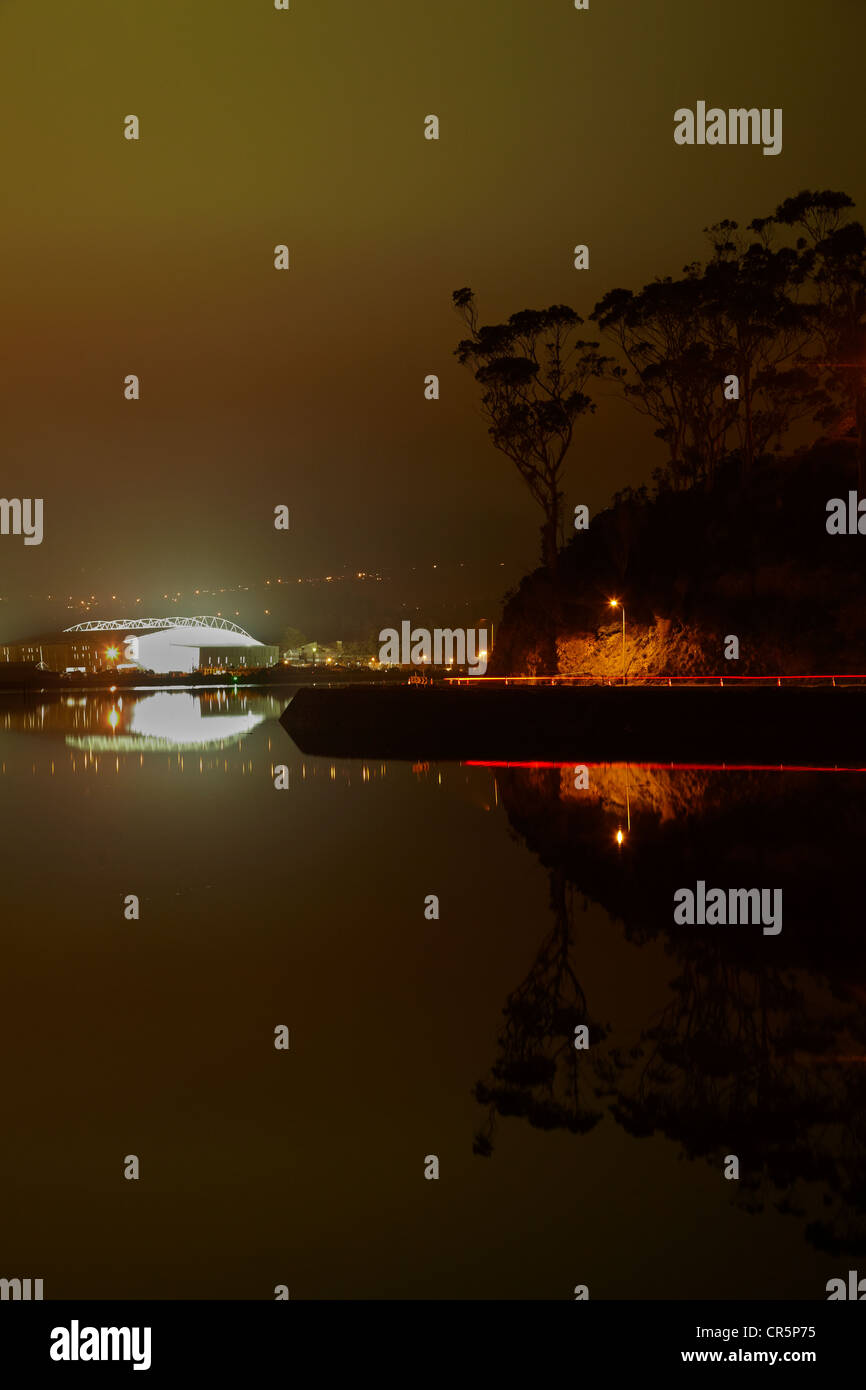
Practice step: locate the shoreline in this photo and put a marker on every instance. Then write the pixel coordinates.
(821, 726)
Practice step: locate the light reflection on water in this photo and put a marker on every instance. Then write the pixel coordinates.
(410, 1035)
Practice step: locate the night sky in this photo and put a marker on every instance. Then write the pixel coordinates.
(306, 387)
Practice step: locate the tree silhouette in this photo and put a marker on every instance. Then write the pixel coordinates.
(834, 255)
(677, 370)
(532, 371)
(789, 321)
(759, 328)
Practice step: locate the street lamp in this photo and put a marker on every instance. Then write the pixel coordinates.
(615, 603)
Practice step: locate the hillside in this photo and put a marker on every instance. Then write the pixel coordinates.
(693, 567)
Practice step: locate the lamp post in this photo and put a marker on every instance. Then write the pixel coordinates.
(615, 603)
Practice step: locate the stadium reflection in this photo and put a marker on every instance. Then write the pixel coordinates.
(147, 722)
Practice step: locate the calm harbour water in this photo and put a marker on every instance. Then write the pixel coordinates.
(412, 1037)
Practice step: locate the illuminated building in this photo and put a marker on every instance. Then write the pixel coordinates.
(161, 645)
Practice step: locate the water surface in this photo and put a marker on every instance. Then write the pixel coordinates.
(412, 1037)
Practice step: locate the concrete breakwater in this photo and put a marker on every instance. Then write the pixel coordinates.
(763, 725)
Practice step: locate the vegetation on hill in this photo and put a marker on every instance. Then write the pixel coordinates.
(729, 363)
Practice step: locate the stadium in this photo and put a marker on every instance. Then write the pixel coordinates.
(165, 646)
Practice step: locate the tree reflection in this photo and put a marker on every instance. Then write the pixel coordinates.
(759, 1051)
(537, 1074)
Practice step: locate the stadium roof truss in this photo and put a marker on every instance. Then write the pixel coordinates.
(149, 624)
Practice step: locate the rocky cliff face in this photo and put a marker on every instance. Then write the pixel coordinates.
(694, 569)
(674, 649)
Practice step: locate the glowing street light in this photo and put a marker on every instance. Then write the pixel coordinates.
(615, 603)
(619, 837)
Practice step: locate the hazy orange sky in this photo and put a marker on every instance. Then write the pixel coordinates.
(306, 127)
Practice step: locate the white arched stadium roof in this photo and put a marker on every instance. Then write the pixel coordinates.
(151, 624)
(178, 632)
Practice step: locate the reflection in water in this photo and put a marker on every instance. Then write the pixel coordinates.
(174, 720)
(538, 1074)
(160, 722)
(760, 1049)
(261, 906)
(134, 722)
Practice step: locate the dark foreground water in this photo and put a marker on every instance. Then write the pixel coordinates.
(410, 1036)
